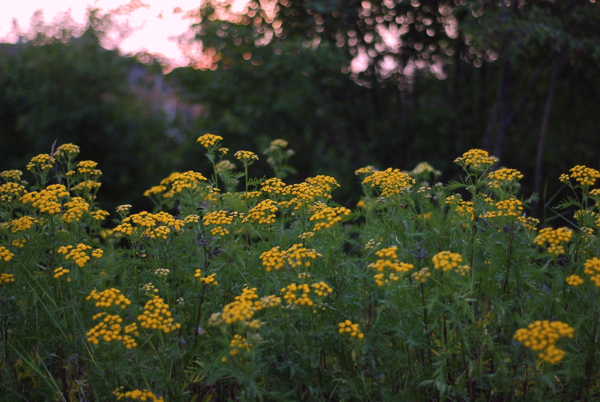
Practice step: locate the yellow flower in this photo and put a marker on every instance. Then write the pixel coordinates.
(541, 337)
(476, 158)
(347, 327)
(208, 140)
(390, 182)
(503, 176)
(554, 238)
(246, 156)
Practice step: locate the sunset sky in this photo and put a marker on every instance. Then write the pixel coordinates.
(155, 23)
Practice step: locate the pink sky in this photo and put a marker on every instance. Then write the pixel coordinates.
(155, 23)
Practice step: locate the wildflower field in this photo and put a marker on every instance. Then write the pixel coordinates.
(423, 292)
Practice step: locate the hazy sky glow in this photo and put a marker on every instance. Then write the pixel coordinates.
(154, 25)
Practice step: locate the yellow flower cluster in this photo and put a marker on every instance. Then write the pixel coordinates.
(219, 219)
(446, 260)
(79, 254)
(153, 225)
(208, 140)
(99, 214)
(306, 235)
(138, 395)
(585, 176)
(19, 243)
(424, 167)
(207, 280)
(325, 216)
(263, 213)
(42, 162)
(108, 297)
(465, 210)
(156, 315)
(367, 170)
(297, 294)
(67, 150)
(87, 167)
(46, 200)
(510, 207)
(372, 244)
(109, 329)
(186, 180)
(295, 256)
(242, 308)
(388, 263)
(75, 209)
(149, 289)
(592, 268)
(476, 158)
(86, 185)
(267, 302)
(154, 190)
(347, 327)
(191, 219)
(60, 271)
(12, 175)
(554, 238)
(503, 176)
(308, 191)
(276, 145)
(7, 278)
(246, 156)
(272, 186)
(5, 254)
(390, 182)
(321, 289)
(22, 224)
(574, 280)
(10, 191)
(238, 344)
(541, 337)
(422, 275)
(529, 222)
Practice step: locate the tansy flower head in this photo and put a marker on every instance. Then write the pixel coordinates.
(476, 158)
(348, 328)
(584, 176)
(503, 176)
(246, 157)
(208, 140)
(541, 337)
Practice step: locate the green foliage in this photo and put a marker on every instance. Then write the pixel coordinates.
(423, 292)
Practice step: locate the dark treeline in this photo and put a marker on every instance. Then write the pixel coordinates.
(518, 78)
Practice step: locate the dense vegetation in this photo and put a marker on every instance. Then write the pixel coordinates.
(274, 292)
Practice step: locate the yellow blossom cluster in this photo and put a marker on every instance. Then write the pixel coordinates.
(10, 191)
(554, 238)
(86, 185)
(424, 167)
(22, 224)
(242, 308)
(42, 162)
(238, 344)
(295, 256)
(446, 261)
(11, 175)
(5, 254)
(307, 192)
(19, 243)
(592, 268)
(246, 156)
(503, 176)
(388, 264)
(155, 190)
(79, 254)
(87, 167)
(275, 145)
(207, 280)
(297, 294)
(325, 216)
(584, 176)
(46, 200)
(372, 244)
(162, 272)
(574, 280)
(306, 235)
(365, 171)
(74, 209)
(510, 207)
(321, 289)
(99, 214)
(476, 158)
(123, 209)
(422, 275)
(390, 182)
(208, 140)
(156, 315)
(7, 278)
(219, 219)
(67, 150)
(153, 225)
(541, 337)
(109, 297)
(273, 186)
(465, 210)
(149, 289)
(191, 219)
(186, 180)
(269, 301)
(109, 329)
(529, 222)
(263, 213)
(347, 327)
(60, 271)
(138, 395)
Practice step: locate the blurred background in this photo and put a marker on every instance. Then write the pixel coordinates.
(348, 83)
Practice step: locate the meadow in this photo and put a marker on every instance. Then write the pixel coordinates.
(238, 288)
